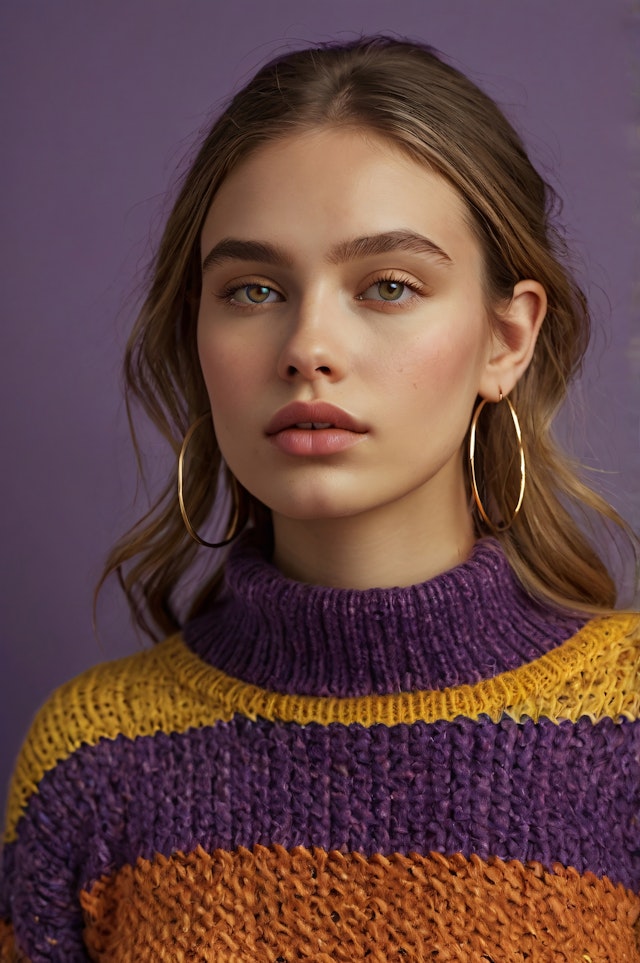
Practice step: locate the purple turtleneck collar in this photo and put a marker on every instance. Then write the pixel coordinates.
(467, 624)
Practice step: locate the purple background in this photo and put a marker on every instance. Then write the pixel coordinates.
(100, 105)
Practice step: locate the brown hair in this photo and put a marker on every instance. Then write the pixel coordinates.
(402, 91)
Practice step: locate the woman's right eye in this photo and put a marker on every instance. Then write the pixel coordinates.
(252, 294)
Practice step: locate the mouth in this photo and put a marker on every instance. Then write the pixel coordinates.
(314, 430)
(313, 416)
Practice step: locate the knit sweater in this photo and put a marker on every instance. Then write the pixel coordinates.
(448, 771)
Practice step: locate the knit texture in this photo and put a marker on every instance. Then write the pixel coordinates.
(448, 771)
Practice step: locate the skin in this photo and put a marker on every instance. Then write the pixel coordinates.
(400, 339)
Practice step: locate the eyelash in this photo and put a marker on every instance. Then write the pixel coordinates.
(396, 278)
(228, 292)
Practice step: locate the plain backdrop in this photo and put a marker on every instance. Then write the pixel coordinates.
(101, 103)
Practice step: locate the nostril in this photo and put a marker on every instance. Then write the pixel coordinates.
(320, 369)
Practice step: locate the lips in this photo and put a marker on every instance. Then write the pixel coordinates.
(313, 416)
(314, 430)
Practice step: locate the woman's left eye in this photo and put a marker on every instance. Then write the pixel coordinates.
(386, 289)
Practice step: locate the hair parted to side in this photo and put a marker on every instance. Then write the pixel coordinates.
(402, 91)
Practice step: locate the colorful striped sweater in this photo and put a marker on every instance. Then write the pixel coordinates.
(448, 771)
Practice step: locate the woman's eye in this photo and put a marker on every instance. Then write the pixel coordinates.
(254, 294)
(386, 290)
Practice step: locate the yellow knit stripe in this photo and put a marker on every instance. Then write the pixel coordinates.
(596, 673)
(169, 689)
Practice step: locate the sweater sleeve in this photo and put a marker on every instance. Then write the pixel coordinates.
(55, 840)
(40, 914)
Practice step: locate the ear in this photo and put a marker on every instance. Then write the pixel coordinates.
(514, 340)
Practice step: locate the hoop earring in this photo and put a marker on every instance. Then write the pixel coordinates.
(234, 527)
(474, 484)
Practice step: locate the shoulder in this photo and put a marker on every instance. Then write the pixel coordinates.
(616, 634)
(625, 623)
(595, 673)
(102, 702)
(614, 640)
(153, 690)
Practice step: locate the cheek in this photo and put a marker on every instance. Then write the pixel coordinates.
(227, 368)
(441, 364)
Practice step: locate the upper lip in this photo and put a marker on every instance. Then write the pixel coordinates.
(314, 412)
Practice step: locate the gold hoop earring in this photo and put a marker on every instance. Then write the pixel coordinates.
(474, 484)
(234, 527)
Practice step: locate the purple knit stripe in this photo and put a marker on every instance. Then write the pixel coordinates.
(545, 792)
(463, 626)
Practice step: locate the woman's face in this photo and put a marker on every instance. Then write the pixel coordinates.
(338, 272)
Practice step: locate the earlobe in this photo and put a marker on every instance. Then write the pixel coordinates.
(514, 342)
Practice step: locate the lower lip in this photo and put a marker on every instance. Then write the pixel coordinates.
(321, 441)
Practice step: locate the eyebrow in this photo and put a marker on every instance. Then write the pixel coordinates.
(372, 244)
(234, 249)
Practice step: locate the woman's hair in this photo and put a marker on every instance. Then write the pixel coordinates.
(401, 91)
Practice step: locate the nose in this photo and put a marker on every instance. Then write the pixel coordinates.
(314, 348)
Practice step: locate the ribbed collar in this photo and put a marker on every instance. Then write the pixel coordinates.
(468, 624)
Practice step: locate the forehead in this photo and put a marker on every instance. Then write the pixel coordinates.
(332, 184)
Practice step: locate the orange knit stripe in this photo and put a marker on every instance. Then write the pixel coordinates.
(272, 904)
(8, 951)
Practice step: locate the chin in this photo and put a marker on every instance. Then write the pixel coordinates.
(312, 513)
(314, 508)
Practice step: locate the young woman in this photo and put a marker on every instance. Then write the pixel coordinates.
(399, 720)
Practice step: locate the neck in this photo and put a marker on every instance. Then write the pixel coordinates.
(406, 542)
